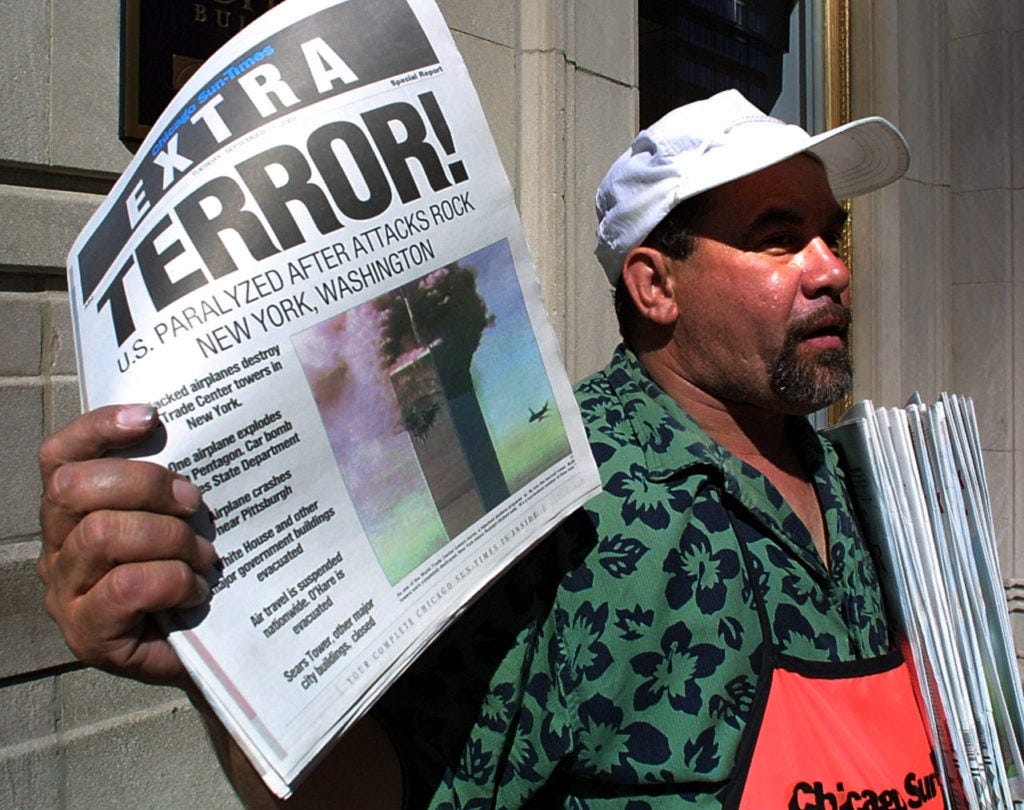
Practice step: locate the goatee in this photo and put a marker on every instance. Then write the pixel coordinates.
(819, 380)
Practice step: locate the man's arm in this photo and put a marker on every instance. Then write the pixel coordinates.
(117, 546)
(361, 771)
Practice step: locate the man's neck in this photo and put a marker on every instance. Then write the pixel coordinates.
(756, 434)
(751, 432)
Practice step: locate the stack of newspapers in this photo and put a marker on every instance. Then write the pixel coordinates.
(917, 477)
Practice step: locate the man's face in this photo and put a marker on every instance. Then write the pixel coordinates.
(763, 299)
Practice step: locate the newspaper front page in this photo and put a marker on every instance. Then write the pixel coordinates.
(314, 268)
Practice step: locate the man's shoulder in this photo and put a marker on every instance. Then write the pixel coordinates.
(615, 410)
(630, 421)
(602, 383)
(617, 395)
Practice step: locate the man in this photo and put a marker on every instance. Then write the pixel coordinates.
(652, 651)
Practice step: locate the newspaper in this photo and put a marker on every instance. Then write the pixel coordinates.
(919, 483)
(314, 268)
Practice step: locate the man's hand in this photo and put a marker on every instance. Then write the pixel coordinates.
(117, 545)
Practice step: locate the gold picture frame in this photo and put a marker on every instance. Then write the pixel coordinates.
(837, 112)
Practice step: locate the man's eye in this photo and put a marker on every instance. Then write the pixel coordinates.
(781, 241)
(834, 240)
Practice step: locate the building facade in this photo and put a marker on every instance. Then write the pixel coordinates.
(938, 290)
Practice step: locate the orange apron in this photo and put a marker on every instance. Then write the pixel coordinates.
(832, 736)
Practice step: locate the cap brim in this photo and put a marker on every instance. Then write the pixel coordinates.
(861, 156)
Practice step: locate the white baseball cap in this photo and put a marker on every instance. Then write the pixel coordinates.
(711, 142)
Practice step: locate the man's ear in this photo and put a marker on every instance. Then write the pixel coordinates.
(646, 272)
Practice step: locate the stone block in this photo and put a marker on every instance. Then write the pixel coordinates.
(970, 17)
(1016, 91)
(60, 341)
(543, 26)
(923, 284)
(543, 173)
(29, 638)
(24, 116)
(149, 759)
(979, 120)
(1018, 349)
(1017, 623)
(874, 47)
(41, 224)
(1014, 542)
(981, 225)
(26, 711)
(605, 41)
(21, 412)
(65, 402)
(495, 20)
(493, 71)
(982, 357)
(21, 324)
(923, 82)
(999, 475)
(90, 696)
(86, 76)
(876, 236)
(30, 775)
(603, 123)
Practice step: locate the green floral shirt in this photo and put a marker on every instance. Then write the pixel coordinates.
(616, 665)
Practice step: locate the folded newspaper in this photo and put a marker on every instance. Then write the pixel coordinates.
(919, 483)
(314, 268)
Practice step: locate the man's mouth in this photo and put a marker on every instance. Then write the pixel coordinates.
(826, 329)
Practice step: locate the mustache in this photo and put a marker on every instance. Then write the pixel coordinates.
(832, 317)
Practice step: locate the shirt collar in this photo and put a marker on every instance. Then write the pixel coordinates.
(671, 440)
(674, 443)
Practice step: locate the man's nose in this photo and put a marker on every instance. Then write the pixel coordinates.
(824, 272)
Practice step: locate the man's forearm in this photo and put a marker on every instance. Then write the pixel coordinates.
(361, 770)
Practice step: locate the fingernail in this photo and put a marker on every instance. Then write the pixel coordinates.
(186, 493)
(201, 594)
(135, 417)
(207, 551)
